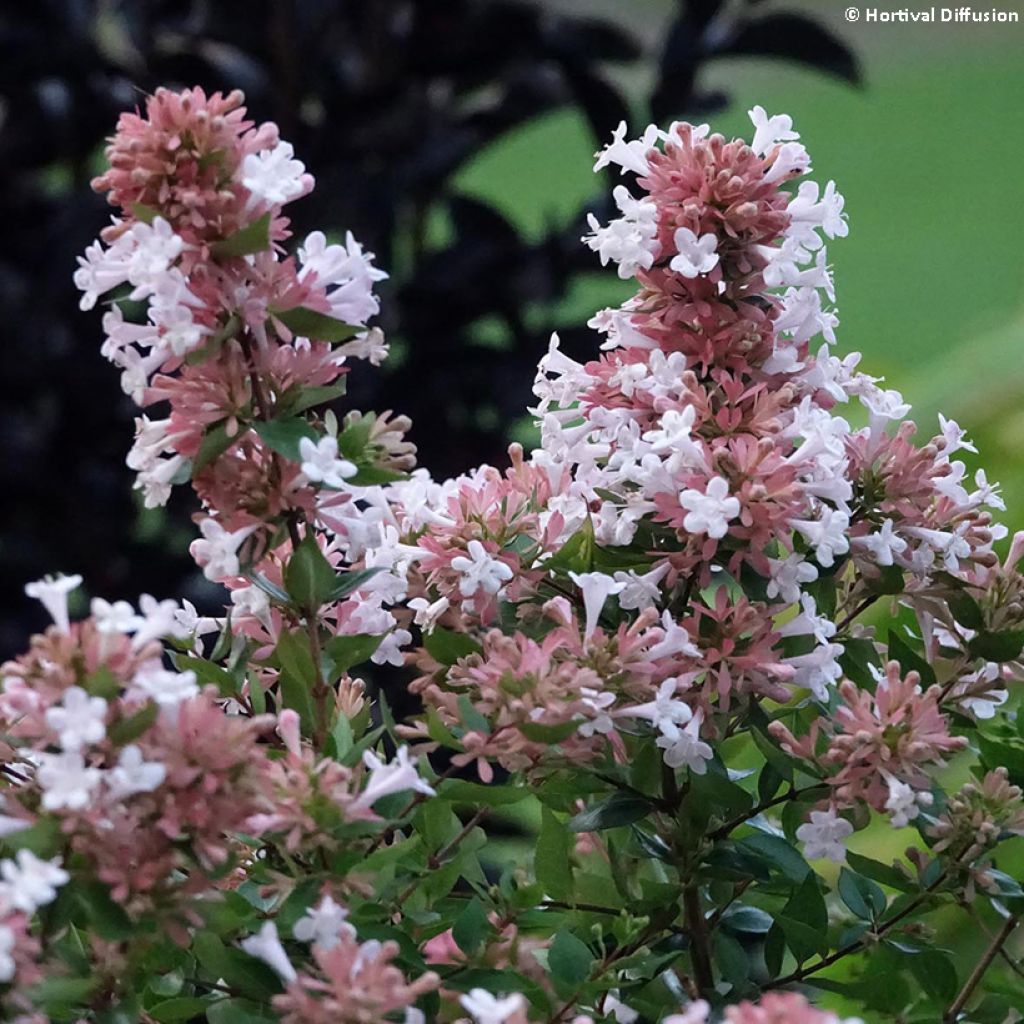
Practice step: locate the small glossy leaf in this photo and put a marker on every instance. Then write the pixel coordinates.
(619, 809)
(569, 960)
(254, 237)
(308, 323)
(283, 436)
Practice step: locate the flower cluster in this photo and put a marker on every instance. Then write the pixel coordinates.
(659, 632)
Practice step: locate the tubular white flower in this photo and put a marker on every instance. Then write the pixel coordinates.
(273, 175)
(324, 924)
(487, 1009)
(52, 593)
(825, 835)
(29, 883)
(597, 587)
(266, 946)
(321, 463)
(79, 720)
(711, 511)
(694, 256)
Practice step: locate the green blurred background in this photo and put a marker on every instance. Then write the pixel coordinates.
(927, 154)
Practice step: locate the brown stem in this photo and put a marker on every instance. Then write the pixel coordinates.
(980, 968)
(700, 948)
(859, 944)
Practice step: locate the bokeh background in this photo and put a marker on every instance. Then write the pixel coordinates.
(455, 138)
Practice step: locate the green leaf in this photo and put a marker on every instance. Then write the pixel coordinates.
(56, 995)
(208, 672)
(147, 214)
(102, 683)
(966, 610)
(242, 972)
(909, 659)
(298, 675)
(996, 754)
(731, 960)
(538, 732)
(879, 872)
(936, 974)
(864, 898)
(127, 730)
(348, 650)
(177, 1010)
(447, 647)
(858, 654)
(308, 323)
(43, 838)
(618, 809)
(470, 927)
(551, 857)
(779, 854)
(889, 581)
(254, 237)
(283, 436)
(270, 588)
(576, 554)
(804, 919)
(239, 1011)
(308, 576)
(461, 791)
(308, 397)
(569, 960)
(746, 919)
(1005, 645)
(350, 581)
(107, 918)
(214, 444)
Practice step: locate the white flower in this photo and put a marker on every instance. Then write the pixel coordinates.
(254, 602)
(323, 925)
(630, 156)
(770, 130)
(711, 511)
(78, 720)
(695, 255)
(684, 746)
(153, 682)
(664, 708)
(818, 671)
(52, 593)
(217, 551)
(159, 619)
(597, 587)
(6, 948)
(389, 651)
(808, 621)
(118, 617)
(487, 1009)
(827, 535)
(133, 774)
(904, 803)
(321, 463)
(640, 592)
(825, 836)
(66, 781)
(156, 247)
(30, 883)
(350, 274)
(428, 612)
(618, 1010)
(786, 576)
(696, 1013)
(266, 946)
(631, 241)
(883, 545)
(480, 571)
(675, 640)
(273, 176)
(394, 776)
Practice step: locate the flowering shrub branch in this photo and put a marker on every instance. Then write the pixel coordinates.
(647, 635)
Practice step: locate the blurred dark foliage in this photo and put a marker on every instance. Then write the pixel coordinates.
(384, 100)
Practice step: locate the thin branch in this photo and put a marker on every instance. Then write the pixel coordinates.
(980, 968)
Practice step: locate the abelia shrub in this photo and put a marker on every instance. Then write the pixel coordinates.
(710, 643)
